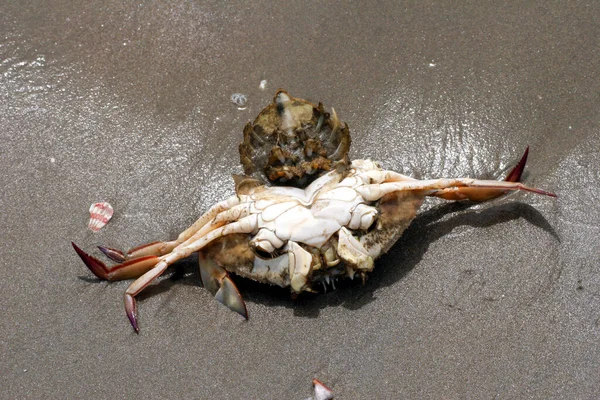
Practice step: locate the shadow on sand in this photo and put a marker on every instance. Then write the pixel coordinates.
(425, 229)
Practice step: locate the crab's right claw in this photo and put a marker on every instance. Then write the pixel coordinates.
(216, 280)
(515, 174)
(484, 194)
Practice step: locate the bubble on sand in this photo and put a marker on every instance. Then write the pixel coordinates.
(239, 100)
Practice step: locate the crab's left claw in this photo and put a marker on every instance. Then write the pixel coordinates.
(216, 280)
(149, 249)
(96, 266)
(129, 269)
(114, 254)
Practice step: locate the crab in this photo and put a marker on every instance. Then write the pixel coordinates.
(303, 235)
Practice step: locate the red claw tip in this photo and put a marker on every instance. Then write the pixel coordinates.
(96, 266)
(515, 174)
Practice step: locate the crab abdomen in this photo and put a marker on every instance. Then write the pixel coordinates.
(313, 222)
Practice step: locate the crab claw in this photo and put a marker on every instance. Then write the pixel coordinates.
(96, 266)
(488, 193)
(515, 174)
(149, 249)
(133, 268)
(113, 254)
(216, 280)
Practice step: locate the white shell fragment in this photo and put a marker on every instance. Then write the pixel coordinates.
(100, 214)
(322, 392)
(263, 84)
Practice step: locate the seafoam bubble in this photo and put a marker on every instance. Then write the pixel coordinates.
(239, 100)
(100, 214)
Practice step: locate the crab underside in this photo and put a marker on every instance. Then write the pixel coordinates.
(332, 218)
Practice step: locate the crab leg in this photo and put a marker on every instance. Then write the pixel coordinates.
(375, 192)
(300, 262)
(478, 194)
(353, 252)
(149, 249)
(162, 248)
(235, 213)
(209, 215)
(244, 225)
(216, 280)
(377, 176)
(467, 189)
(141, 259)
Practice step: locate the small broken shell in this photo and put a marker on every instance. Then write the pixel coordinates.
(322, 392)
(100, 214)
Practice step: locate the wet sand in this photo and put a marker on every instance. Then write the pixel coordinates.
(129, 102)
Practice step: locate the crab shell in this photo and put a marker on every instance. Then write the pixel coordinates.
(293, 141)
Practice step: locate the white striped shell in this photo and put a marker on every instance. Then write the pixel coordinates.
(100, 214)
